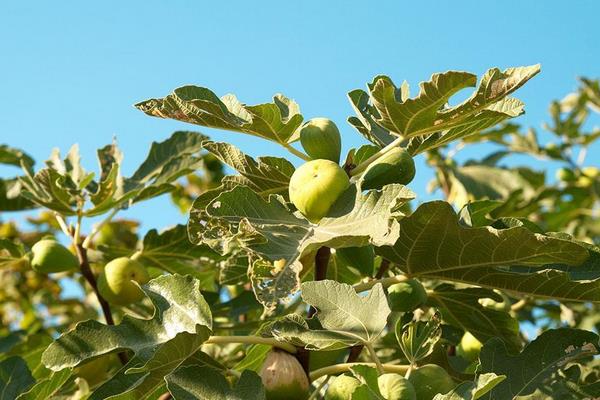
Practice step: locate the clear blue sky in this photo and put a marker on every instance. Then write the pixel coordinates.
(71, 70)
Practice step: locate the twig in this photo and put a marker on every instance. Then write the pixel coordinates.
(374, 357)
(86, 271)
(340, 368)
(361, 287)
(252, 340)
(383, 268)
(321, 262)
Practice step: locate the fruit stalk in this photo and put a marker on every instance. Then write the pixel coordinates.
(96, 229)
(361, 287)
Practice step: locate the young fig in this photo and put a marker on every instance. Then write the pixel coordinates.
(321, 139)
(396, 166)
(315, 186)
(50, 256)
(115, 283)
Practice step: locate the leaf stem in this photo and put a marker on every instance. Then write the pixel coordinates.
(96, 229)
(296, 152)
(252, 340)
(374, 357)
(361, 287)
(363, 165)
(341, 368)
(63, 224)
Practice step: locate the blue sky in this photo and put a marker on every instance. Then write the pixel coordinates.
(71, 70)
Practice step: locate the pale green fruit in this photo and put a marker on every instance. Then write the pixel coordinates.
(115, 283)
(396, 166)
(406, 296)
(315, 186)
(396, 387)
(430, 380)
(283, 377)
(51, 256)
(565, 175)
(469, 347)
(589, 175)
(321, 139)
(342, 388)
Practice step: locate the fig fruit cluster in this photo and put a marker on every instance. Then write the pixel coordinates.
(316, 185)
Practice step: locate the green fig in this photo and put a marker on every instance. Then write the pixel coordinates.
(342, 388)
(406, 296)
(396, 387)
(50, 256)
(396, 166)
(469, 347)
(315, 186)
(115, 283)
(321, 139)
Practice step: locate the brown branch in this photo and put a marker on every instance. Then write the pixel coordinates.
(383, 268)
(86, 271)
(165, 396)
(321, 262)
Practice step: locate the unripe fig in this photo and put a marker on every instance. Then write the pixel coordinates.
(589, 175)
(469, 347)
(565, 175)
(396, 387)
(283, 377)
(430, 380)
(396, 166)
(321, 139)
(503, 305)
(50, 256)
(315, 186)
(342, 388)
(406, 296)
(361, 258)
(115, 283)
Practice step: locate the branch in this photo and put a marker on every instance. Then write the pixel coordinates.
(252, 340)
(340, 368)
(86, 271)
(361, 287)
(321, 262)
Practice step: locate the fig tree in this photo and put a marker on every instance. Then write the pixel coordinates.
(342, 388)
(469, 347)
(321, 139)
(429, 380)
(406, 296)
(396, 166)
(98, 369)
(283, 377)
(315, 186)
(396, 387)
(50, 256)
(115, 283)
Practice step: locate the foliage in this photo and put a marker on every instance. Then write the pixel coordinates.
(256, 275)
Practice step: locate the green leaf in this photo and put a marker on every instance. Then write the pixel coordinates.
(340, 309)
(433, 244)
(461, 308)
(528, 370)
(179, 308)
(16, 157)
(473, 390)
(268, 175)
(369, 389)
(11, 198)
(364, 122)
(48, 188)
(166, 161)
(240, 217)
(275, 121)
(15, 378)
(47, 388)
(425, 113)
(417, 338)
(295, 330)
(172, 251)
(203, 383)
